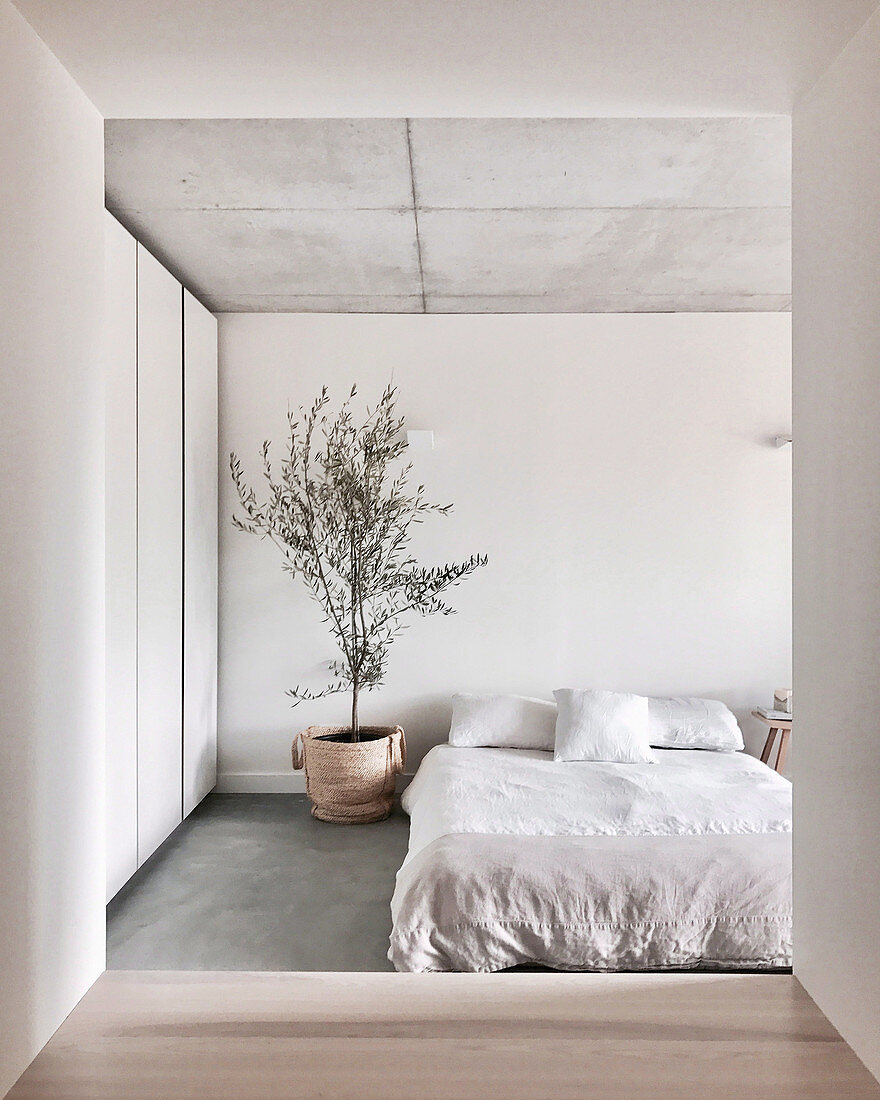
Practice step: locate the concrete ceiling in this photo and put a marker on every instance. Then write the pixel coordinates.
(434, 58)
(462, 215)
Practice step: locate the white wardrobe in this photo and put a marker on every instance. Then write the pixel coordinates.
(161, 554)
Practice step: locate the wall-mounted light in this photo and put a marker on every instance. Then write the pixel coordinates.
(420, 441)
(782, 440)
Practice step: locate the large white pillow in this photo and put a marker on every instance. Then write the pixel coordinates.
(679, 723)
(502, 721)
(602, 725)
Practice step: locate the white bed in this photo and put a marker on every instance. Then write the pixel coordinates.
(516, 859)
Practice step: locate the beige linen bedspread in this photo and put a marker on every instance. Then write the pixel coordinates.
(481, 902)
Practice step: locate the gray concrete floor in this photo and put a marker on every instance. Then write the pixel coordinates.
(253, 882)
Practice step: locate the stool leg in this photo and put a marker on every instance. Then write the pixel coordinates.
(768, 746)
(783, 750)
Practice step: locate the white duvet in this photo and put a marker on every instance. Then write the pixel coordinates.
(515, 858)
(526, 793)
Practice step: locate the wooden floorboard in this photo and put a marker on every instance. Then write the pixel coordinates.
(508, 1036)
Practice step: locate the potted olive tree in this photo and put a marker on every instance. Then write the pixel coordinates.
(340, 508)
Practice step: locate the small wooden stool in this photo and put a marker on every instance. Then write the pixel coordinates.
(777, 725)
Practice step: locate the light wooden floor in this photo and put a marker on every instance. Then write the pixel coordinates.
(506, 1036)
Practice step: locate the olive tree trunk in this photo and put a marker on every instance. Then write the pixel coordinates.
(355, 728)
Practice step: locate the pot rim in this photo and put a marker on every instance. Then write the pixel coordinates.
(316, 732)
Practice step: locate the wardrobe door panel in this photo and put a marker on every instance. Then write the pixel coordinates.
(121, 553)
(160, 553)
(199, 552)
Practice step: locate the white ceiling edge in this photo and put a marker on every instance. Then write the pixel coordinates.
(445, 58)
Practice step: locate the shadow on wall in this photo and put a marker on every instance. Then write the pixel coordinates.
(426, 721)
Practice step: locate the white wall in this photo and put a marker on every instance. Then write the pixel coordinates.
(618, 470)
(120, 555)
(837, 525)
(51, 545)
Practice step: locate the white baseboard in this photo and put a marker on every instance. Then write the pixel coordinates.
(273, 783)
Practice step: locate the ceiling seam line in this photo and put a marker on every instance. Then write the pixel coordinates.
(415, 210)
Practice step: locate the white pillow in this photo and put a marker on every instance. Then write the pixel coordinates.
(679, 723)
(602, 725)
(502, 721)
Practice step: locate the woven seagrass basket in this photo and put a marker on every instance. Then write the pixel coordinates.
(350, 783)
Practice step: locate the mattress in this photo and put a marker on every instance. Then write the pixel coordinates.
(516, 859)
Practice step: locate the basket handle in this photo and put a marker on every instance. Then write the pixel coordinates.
(398, 759)
(296, 752)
